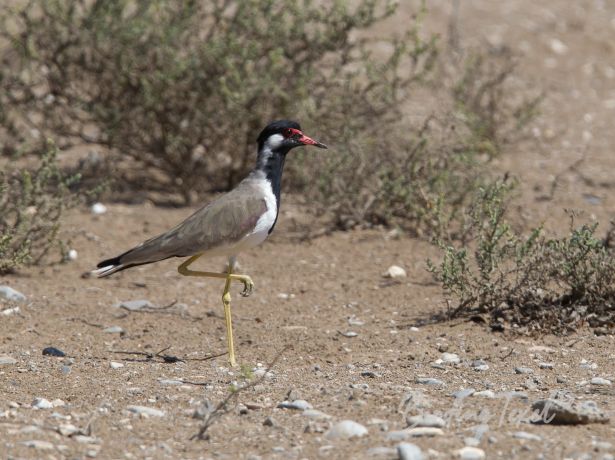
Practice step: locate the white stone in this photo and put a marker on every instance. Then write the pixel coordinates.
(147, 411)
(37, 444)
(7, 360)
(346, 429)
(407, 451)
(485, 394)
(558, 47)
(450, 358)
(11, 294)
(470, 453)
(42, 403)
(98, 208)
(527, 436)
(600, 381)
(297, 404)
(72, 254)
(115, 365)
(394, 272)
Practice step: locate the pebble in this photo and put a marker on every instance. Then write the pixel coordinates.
(407, 451)
(269, 421)
(546, 365)
(98, 208)
(135, 305)
(461, 394)
(387, 452)
(425, 420)
(450, 358)
(72, 254)
(524, 370)
(113, 330)
(470, 453)
(394, 272)
(7, 360)
(485, 394)
(53, 351)
(555, 411)
(346, 429)
(429, 381)
(370, 374)
(11, 294)
(115, 365)
(514, 395)
(42, 403)
(10, 311)
(37, 444)
(349, 334)
(170, 382)
(542, 349)
(600, 381)
(67, 429)
(527, 436)
(480, 365)
(148, 411)
(297, 404)
(316, 414)
(418, 432)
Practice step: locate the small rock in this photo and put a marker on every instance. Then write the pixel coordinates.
(115, 365)
(429, 381)
(41, 403)
(67, 429)
(560, 379)
(480, 365)
(148, 411)
(380, 451)
(414, 400)
(542, 349)
(558, 47)
(424, 432)
(53, 351)
(514, 395)
(315, 414)
(485, 394)
(98, 208)
(461, 394)
(170, 382)
(450, 358)
(82, 439)
(558, 412)
(527, 436)
(58, 403)
(135, 305)
(10, 311)
(470, 453)
(546, 365)
(425, 420)
(600, 381)
(346, 429)
(523, 370)
(370, 374)
(113, 330)
(7, 360)
(37, 444)
(11, 294)
(407, 451)
(394, 272)
(268, 421)
(297, 404)
(348, 334)
(72, 254)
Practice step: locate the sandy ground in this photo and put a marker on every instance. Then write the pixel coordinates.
(311, 297)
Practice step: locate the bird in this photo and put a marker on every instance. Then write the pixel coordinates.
(234, 222)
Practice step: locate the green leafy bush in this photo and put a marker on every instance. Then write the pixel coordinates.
(532, 281)
(31, 207)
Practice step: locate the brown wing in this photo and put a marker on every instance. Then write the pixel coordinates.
(224, 221)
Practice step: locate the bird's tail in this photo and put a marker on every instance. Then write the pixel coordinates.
(109, 266)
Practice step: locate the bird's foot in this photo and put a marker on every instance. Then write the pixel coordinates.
(248, 286)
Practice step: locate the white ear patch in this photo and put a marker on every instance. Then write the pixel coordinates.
(274, 141)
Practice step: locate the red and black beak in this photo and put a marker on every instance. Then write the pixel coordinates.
(309, 141)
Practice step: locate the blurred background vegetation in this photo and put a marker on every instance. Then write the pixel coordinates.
(164, 99)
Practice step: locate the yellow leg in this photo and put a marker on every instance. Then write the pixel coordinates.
(248, 286)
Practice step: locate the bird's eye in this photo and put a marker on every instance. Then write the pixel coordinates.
(288, 132)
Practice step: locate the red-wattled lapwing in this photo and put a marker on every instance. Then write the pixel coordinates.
(236, 221)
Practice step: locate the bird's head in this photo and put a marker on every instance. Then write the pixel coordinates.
(283, 135)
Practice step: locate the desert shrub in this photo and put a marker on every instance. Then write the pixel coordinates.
(183, 88)
(529, 280)
(31, 207)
